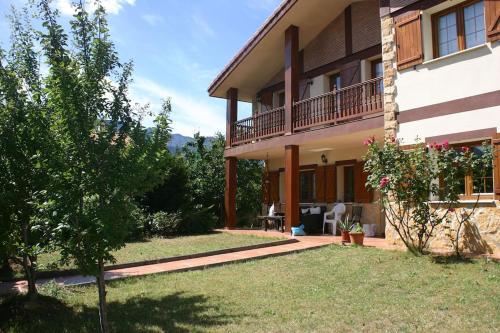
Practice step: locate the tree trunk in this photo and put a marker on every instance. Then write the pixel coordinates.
(6, 270)
(101, 285)
(30, 274)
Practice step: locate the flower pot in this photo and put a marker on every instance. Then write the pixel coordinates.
(345, 236)
(357, 237)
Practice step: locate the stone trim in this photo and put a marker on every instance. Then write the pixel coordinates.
(389, 62)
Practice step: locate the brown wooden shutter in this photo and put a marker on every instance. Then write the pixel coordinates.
(275, 186)
(492, 16)
(350, 74)
(361, 193)
(409, 40)
(266, 187)
(320, 183)
(496, 169)
(331, 183)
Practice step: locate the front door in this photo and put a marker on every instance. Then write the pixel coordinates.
(349, 183)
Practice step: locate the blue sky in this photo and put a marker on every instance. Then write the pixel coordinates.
(178, 47)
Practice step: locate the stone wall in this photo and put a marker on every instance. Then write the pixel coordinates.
(479, 236)
(389, 63)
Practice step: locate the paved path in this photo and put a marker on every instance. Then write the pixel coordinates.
(178, 266)
(304, 243)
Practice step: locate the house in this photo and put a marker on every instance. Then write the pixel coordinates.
(323, 75)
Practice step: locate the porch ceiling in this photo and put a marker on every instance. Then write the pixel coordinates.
(263, 55)
(312, 142)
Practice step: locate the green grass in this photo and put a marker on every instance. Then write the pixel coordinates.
(326, 290)
(156, 248)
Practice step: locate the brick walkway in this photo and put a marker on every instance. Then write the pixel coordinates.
(184, 265)
(304, 243)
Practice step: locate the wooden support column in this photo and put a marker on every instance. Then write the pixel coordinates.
(291, 187)
(231, 113)
(291, 74)
(230, 193)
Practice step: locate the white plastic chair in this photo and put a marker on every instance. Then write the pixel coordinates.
(337, 212)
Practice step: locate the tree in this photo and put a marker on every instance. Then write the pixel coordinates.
(25, 147)
(408, 179)
(106, 157)
(205, 164)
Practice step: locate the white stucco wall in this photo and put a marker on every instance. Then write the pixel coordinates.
(464, 74)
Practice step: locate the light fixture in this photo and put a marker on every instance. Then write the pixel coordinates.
(324, 159)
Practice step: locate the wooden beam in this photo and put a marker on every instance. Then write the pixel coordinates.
(230, 193)
(291, 187)
(231, 113)
(291, 74)
(348, 30)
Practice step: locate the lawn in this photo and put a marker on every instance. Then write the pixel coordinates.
(330, 289)
(156, 248)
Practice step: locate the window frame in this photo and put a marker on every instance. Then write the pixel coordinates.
(469, 193)
(459, 12)
(373, 66)
(331, 79)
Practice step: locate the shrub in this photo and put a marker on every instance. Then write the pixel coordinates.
(199, 220)
(165, 224)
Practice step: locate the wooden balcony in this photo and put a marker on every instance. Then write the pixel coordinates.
(340, 106)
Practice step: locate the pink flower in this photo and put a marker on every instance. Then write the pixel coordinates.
(368, 141)
(451, 210)
(384, 182)
(438, 146)
(445, 144)
(465, 149)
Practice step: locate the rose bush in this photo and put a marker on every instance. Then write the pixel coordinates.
(420, 186)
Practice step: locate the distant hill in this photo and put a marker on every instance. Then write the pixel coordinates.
(177, 142)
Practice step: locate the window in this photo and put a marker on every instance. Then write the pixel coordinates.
(335, 82)
(472, 184)
(458, 28)
(349, 183)
(377, 68)
(307, 186)
(281, 99)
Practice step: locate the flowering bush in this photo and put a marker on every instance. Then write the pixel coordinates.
(408, 179)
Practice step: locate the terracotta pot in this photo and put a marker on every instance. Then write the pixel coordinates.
(357, 238)
(345, 236)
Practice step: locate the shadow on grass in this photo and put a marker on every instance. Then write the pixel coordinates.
(451, 259)
(173, 313)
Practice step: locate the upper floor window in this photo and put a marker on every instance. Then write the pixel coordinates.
(281, 99)
(377, 68)
(335, 82)
(458, 28)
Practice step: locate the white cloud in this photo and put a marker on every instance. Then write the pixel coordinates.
(111, 6)
(202, 25)
(189, 114)
(152, 19)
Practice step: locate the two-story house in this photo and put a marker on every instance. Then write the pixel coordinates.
(324, 75)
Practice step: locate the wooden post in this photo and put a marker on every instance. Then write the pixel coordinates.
(230, 193)
(291, 186)
(291, 74)
(231, 113)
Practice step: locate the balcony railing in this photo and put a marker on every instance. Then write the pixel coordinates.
(339, 106)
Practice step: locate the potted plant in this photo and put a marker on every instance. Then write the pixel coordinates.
(357, 235)
(345, 226)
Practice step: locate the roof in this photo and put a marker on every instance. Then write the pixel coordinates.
(258, 61)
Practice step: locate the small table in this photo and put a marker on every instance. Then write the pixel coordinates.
(277, 218)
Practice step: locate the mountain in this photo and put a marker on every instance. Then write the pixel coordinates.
(178, 141)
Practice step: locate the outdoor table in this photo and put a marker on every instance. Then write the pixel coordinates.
(277, 218)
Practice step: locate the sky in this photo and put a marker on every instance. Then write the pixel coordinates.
(178, 47)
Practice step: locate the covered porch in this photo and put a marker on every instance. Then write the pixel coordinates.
(320, 169)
